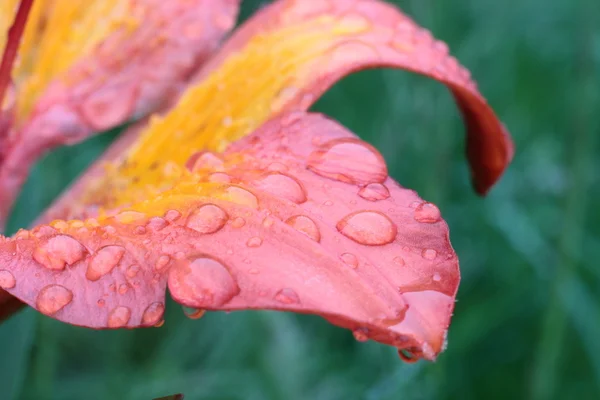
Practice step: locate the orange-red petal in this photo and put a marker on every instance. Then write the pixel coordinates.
(285, 219)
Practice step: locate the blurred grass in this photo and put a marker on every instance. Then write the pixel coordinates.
(527, 321)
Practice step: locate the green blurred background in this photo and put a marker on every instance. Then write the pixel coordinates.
(527, 321)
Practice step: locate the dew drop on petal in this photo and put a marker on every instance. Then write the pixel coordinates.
(132, 271)
(361, 334)
(162, 262)
(429, 254)
(204, 160)
(427, 213)
(241, 196)
(348, 160)
(219, 177)
(350, 259)
(52, 299)
(193, 313)
(374, 192)
(399, 261)
(370, 228)
(153, 314)
(104, 261)
(305, 225)
(406, 356)
(208, 218)
(282, 185)
(202, 283)
(238, 222)
(59, 251)
(172, 215)
(287, 296)
(119, 317)
(254, 242)
(437, 277)
(7, 279)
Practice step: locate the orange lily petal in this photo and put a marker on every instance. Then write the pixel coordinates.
(131, 58)
(284, 219)
(294, 51)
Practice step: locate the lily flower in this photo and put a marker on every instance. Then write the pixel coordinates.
(231, 194)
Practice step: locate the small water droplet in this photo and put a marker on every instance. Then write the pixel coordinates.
(370, 228)
(123, 288)
(348, 160)
(254, 242)
(132, 271)
(7, 279)
(194, 313)
(219, 177)
(203, 283)
(52, 299)
(305, 225)
(429, 254)
(157, 224)
(282, 185)
(437, 277)
(172, 215)
(153, 314)
(139, 230)
(119, 317)
(104, 261)
(162, 262)
(206, 219)
(101, 303)
(238, 222)
(407, 356)
(427, 213)
(374, 192)
(59, 251)
(328, 203)
(349, 259)
(204, 160)
(399, 261)
(241, 196)
(287, 296)
(361, 334)
(268, 222)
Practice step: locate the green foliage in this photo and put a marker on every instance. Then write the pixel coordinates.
(527, 321)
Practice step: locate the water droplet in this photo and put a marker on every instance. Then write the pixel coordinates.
(241, 196)
(282, 185)
(399, 261)
(437, 277)
(204, 160)
(374, 192)
(219, 177)
(305, 225)
(172, 215)
(370, 228)
(59, 251)
(202, 283)
(52, 299)
(407, 356)
(254, 242)
(194, 313)
(429, 254)
(350, 259)
(287, 296)
(139, 230)
(132, 271)
(101, 303)
(104, 261)
(123, 288)
(328, 203)
(207, 218)
(119, 317)
(157, 224)
(268, 222)
(153, 314)
(348, 160)
(361, 334)
(238, 222)
(7, 279)
(162, 262)
(427, 213)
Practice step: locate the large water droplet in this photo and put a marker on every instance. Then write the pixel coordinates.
(59, 251)
(287, 296)
(241, 196)
(7, 279)
(305, 225)
(104, 261)
(52, 299)
(348, 160)
(119, 317)
(350, 259)
(374, 192)
(202, 283)
(254, 242)
(427, 213)
(208, 218)
(282, 185)
(368, 227)
(153, 314)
